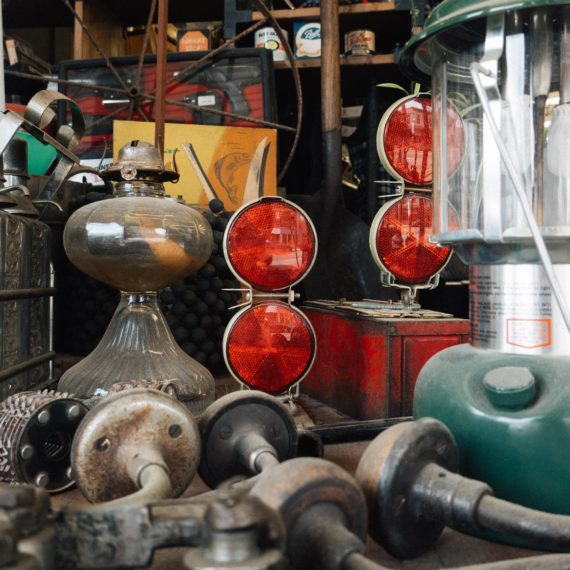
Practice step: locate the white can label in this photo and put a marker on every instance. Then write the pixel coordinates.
(360, 42)
(308, 40)
(267, 38)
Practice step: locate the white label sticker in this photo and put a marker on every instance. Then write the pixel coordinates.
(529, 333)
(206, 100)
(12, 53)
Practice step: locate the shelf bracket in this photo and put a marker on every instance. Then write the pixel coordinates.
(417, 12)
(234, 16)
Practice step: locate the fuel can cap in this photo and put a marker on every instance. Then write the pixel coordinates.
(510, 387)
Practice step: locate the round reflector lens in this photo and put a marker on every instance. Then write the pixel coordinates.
(402, 241)
(270, 244)
(407, 140)
(269, 346)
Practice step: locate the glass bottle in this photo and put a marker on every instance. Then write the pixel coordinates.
(139, 241)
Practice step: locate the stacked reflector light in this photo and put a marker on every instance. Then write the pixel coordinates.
(270, 245)
(404, 140)
(400, 240)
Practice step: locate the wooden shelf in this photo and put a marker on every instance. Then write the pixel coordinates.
(345, 60)
(315, 13)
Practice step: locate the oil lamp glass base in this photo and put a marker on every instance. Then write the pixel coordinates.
(139, 346)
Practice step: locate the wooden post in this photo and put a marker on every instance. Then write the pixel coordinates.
(77, 31)
(160, 104)
(330, 115)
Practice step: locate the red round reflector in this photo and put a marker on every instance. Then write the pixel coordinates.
(270, 244)
(405, 140)
(401, 240)
(269, 346)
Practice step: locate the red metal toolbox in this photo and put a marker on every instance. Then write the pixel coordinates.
(367, 367)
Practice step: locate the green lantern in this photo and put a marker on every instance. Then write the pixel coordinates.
(504, 67)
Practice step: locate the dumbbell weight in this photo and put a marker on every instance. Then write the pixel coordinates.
(408, 477)
(244, 433)
(139, 438)
(323, 510)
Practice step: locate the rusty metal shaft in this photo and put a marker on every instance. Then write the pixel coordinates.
(150, 474)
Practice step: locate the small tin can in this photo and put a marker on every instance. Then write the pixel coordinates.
(268, 38)
(360, 42)
(307, 39)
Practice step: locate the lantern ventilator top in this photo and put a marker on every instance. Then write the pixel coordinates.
(139, 160)
(462, 19)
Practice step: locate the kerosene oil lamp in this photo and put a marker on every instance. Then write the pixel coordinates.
(138, 241)
(503, 66)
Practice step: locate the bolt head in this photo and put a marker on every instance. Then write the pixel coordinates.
(44, 417)
(27, 452)
(73, 412)
(42, 479)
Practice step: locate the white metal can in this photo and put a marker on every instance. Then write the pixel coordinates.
(360, 42)
(268, 38)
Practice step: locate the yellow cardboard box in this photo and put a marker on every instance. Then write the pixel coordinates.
(239, 163)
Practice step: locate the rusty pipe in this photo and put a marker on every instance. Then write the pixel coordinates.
(150, 474)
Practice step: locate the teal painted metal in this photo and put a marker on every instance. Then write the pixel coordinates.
(453, 13)
(521, 452)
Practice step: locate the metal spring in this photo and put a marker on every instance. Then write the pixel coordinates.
(15, 413)
(167, 386)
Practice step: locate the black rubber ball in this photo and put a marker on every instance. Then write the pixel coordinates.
(227, 297)
(200, 308)
(220, 264)
(210, 218)
(216, 206)
(198, 335)
(203, 284)
(209, 297)
(221, 224)
(201, 357)
(179, 308)
(190, 321)
(178, 287)
(216, 284)
(214, 359)
(208, 346)
(171, 319)
(219, 306)
(167, 296)
(189, 348)
(207, 271)
(206, 322)
(181, 334)
(189, 297)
